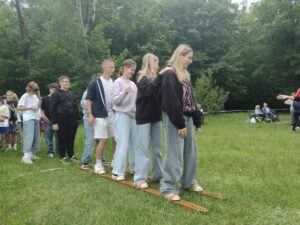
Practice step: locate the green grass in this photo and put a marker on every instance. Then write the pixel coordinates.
(256, 167)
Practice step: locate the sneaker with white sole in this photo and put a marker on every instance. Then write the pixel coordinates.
(118, 178)
(196, 188)
(34, 157)
(173, 197)
(73, 159)
(142, 185)
(50, 155)
(64, 161)
(99, 169)
(27, 160)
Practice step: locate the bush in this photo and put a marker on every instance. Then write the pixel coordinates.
(208, 94)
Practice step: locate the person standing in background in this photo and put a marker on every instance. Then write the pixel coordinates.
(65, 116)
(29, 105)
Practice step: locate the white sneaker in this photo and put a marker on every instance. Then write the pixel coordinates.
(15, 147)
(34, 157)
(142, 185)
(196, 188)
(27, 160)
(118, 178)
(50, 155)
(99, 169)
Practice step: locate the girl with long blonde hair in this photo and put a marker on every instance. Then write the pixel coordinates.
(180, 118)
(148, 119)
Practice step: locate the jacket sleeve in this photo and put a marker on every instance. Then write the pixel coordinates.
(53, 107)
(171, 100)
(91, 91)
(118, 94)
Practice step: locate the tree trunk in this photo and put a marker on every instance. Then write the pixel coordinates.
(91, 15)
(85, 40)
(24, 34)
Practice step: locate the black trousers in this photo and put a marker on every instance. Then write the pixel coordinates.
(66, 135)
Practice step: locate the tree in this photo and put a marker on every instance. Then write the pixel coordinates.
(211, 97)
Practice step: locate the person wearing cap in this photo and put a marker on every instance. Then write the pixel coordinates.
(46, 116)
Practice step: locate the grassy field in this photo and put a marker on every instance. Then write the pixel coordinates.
(256, 167)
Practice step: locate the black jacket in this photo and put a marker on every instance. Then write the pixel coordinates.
(172, 91)
(63, 105)
(148, 102)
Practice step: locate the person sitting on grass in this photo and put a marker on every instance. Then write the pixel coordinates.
(4, 116)
(258, 114)
(269, 113)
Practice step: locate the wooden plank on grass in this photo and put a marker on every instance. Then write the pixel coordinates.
(183, 203)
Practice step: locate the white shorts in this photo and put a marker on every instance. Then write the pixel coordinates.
(104, 127)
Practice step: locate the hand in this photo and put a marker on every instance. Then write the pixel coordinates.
(182, 132)
(198, 130)
(91, 119)
(34, 109)
(128, 89)
(168, 68)
(45, 118)
(55, 127)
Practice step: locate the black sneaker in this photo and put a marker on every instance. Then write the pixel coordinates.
(64, 161)
(73, 159)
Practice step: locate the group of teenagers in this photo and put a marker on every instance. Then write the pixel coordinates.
(128, 113)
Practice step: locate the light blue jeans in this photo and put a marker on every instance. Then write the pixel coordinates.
(89, 141)
(126, 136)
(49, 133)
(31, 136)
(180, 162)
(145, 133)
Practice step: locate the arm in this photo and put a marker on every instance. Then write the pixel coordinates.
(91, 118)
(171, 101)
(53, 107)
(118, 94)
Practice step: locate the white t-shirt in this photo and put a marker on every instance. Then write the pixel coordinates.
(4, 111)
(108, 89)
(28, 100)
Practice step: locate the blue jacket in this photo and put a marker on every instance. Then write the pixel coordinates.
(95, 93)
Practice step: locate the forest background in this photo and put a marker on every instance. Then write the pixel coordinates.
(242, 56)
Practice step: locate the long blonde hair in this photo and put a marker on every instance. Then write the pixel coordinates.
(148, 67)
(176, 63)
(127, 63)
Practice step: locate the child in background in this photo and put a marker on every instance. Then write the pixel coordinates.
(12, 103)
(4, 116)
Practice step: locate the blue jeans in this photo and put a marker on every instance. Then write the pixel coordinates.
(180, 162)
(89, 141)
(49, 133)
(145, 133)
(31, 136)
(125, 135)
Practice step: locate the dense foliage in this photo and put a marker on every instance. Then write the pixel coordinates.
(252, 55)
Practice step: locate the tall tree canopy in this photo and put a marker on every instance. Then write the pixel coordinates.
(251, 55)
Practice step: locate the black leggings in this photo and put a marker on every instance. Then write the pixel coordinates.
(66, 136)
